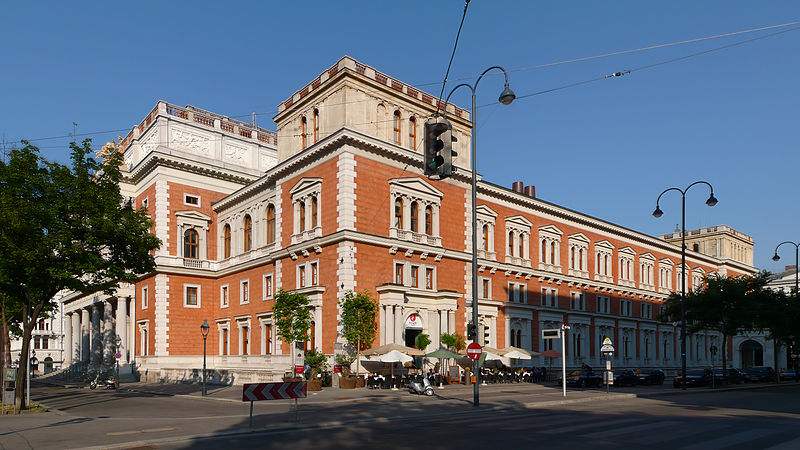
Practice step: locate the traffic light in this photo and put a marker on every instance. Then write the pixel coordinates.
(471, 332)
(483, 333)
(439, 151)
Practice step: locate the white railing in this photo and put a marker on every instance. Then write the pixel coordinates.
(306, 235)
(517, 261)
(549, 267)
(579, 273)
(486, 254)
(412, 236)
(604, 278)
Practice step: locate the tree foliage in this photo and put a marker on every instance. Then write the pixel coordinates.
(65, 228)
(422, 341)
(454, 341)
(292, 316)
(359, 312)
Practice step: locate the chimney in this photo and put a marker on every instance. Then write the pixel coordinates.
(792, 267)
(530, 191)
(517, 186)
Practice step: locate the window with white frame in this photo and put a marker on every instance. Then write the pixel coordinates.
(144, 338)
(191, 295)
(550, 248)
(224, 296)
(577, 301)
(224, 328)
(625, 307)
(244, 292)
(418, 276)
(429, 278)
(145, 203)
(308, 274)
(604, 257)
(603, 304)
(517, 293)
(485, 287)
(191, 200)
(414, 208)
(267, 287)
(192, 233)
(518, 236)
(626, 257)
(646, 267)
(578, 249)
(550, 297)
(414, 276)
(665, 275)
(486, 223)
(647, 310)
(145, 297)
(306, 201)
(697, 278)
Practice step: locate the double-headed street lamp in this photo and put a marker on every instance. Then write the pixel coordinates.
(506, 97)
(204, 331)
(796, 291)
(658, 213)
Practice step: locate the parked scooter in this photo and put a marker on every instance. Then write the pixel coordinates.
(415, 387)
(107, 382)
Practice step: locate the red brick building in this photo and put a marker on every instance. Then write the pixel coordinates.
(337, 201)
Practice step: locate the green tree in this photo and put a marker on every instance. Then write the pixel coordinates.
(779, 315)
(725, 305)
(317, 361)
(358, 312)
(422, 341)
(455, 341)
(292, 318)
(65, 228)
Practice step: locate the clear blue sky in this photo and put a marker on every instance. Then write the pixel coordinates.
(606, 148)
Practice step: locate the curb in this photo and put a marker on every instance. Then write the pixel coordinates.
(750, 387)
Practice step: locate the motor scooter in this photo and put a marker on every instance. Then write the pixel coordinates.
(415, 387)
(106, 382)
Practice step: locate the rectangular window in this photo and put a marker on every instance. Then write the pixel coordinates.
(301, 276)
(314, 274)
(414, 276)
(191, 297)
(577, 301)
(145, 297)
(44, 343)
(36, 342)
(549, 297)
(144, 203)
(603, 304)
(516, 292)
(245, 350)
(223, 296)
(398, 273)
(428, 278)
(486, 288)
(244, 292)
(268, 286)
(625, 307)
(191, 200)
(223, 337)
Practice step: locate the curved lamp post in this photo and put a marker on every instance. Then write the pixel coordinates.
(658, 213)
(796, 291)
(204, 331)
(506, 97)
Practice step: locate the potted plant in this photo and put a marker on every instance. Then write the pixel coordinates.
(358, 317)
(345, 360)
(317, 361)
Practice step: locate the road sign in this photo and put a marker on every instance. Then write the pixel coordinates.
(554, 333)
(253, 392)
(11, 374)
(474, 350)
(607, 341)
(607, 348)
(299, 368)
(118, 355)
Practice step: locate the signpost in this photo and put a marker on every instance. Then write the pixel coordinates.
(474, 351)
(253, 392)
(607, 349)
(713, 351)
(558, 333)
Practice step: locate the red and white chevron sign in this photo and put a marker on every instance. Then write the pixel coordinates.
(254, 392)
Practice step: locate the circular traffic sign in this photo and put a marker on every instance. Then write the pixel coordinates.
(118, 355)
(474, 350)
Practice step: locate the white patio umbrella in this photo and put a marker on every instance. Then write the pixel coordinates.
(516, 354)
(394, 356)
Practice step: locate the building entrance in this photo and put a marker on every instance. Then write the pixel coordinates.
(413, 328)
(752, 354)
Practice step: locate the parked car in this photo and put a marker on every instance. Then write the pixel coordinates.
(625, 377)
(583, 378)
(694, 377)
(734, 376)
(758, 373)
(787, 374)
(650, 376)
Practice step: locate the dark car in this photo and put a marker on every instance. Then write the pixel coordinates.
(650, 376)
(787, 374)
(758, 373)
(734, 376)
(583, 378)
(625, 377)
(694, 377)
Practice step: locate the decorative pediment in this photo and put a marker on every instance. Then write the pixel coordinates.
(604, 245)
(417, 185)
(519, 221)
(580, 237)
(666, 262)
(698, 270)
(647, 256)
(627, 251)
(193, 215)
(305, 184)
(485, 211)
(550, 229)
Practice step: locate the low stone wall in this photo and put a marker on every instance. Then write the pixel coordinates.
(214, 377)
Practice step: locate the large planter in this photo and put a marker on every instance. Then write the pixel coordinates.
(314, 385)
(292, 379)
(347, 383)
(360, 382)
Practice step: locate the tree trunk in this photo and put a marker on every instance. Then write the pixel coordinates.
(776, 347)
(22, 369)
(724, 359)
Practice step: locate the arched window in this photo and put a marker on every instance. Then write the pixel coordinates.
(510, 243)
(572, 257)
(396, 136)
(414, 216)
(597, 267)
(580, 259)
(485, 243)
(521, 245)
(552, 253)
(429, 220)
(303, 133)
(248, 233)
(302, 218)
(270, 224)
(519, 338)
(412, 133)
(316, 125)
(314, 222)
(544, 251)
(309, 344)
(398, 213)
(226, 241)
(190, 244)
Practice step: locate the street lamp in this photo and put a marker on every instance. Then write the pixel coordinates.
(506, 97)
(658, 213)
(796, 291)
(204, 331)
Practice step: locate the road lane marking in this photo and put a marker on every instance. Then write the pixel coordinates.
(583, 425)
(730, 439)
(627, 430)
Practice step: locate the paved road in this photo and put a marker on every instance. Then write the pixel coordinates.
(758, 419)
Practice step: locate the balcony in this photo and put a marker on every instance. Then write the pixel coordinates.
(604, 278)
(193, 263)
(549, 267)
(485, 254)
(517, 261)
(647, 287)
(579, 273)
(307, 235)
(628, 283)
(412, 236)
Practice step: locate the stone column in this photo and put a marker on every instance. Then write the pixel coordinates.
(109, 336)
(85, 342)
(97, 341)
(383, 327)
(122, 328)
(398, 325)
(67, 339)
(76, 336)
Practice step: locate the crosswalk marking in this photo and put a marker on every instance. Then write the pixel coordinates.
(730, 439)
(584, 425)
(627, 430)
